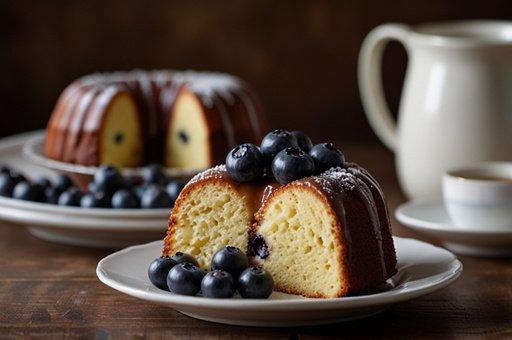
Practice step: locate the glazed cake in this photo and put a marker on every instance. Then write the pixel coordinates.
(323, 236)
(127, 119)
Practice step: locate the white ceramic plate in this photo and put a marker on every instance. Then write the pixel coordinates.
(429, 216)
(33, 151)
(422, 269)
(105, 228)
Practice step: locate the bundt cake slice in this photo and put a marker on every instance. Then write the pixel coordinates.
(212, 211)
(324, 236)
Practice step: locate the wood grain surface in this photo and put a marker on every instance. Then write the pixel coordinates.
(50, 290)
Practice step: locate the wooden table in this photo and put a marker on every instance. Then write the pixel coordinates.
(51, 290)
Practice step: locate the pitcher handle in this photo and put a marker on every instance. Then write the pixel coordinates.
(370, 80)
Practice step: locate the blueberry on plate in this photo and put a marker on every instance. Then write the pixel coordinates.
(71, 197)
(276, 141)
(326, 156)
(4, 168)
(7, 184)
(63, 182)
(44, 182)
(52, 194)
(125, 199)
(155, 197)
(108, 179)
(17, 176)
(291, 164)
(153, 174)
(230, 259)
(303, 141)
(255, 283)
(218, 284)
(131, 182)
(245, 163)
(159, 269)
(29, 192)
(185, 279)
(174, 188)
(181, 257)
(96, 199)
(138, 190)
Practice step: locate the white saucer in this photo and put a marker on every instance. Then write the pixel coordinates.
(103, 228)
(422, 269)
(430, 217)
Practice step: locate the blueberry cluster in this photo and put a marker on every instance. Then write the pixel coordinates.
(109, 189)
(230, 271)
(288, 156)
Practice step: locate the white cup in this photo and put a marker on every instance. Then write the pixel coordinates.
(480, 197)
(456, 103)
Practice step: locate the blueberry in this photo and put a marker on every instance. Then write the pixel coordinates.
(131, 182)
(291, 164)
(155, 197)
(7, 184)
(276, 141)
(28, 192)
(326, 156)
(258, 246)
(92, 187)
(153, 174)
(18, 177)
(174, 188)
(181, 257)
(4, 168)
(138, 190)
(230, 259)
(245, 163)
(96, 199)
(52, 194)
(44, 182)
(125, 199)
(218, 284)
(63, 182)
(158, 271)
(185, 279)
(108, 179)
(255, 283)
(303, 140)
(70, 197)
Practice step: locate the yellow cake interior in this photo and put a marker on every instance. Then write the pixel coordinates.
(213, 216)
(304, 255)
(121, 140)
(188, 137)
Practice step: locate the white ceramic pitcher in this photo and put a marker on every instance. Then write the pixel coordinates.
(456, 102)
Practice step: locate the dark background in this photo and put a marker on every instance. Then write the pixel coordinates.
(300, 56)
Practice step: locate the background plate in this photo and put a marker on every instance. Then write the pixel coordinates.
(105, 228)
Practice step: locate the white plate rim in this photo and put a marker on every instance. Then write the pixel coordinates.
(452, 272)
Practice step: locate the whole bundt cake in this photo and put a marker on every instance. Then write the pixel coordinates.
(181, 119)
(322, 236)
